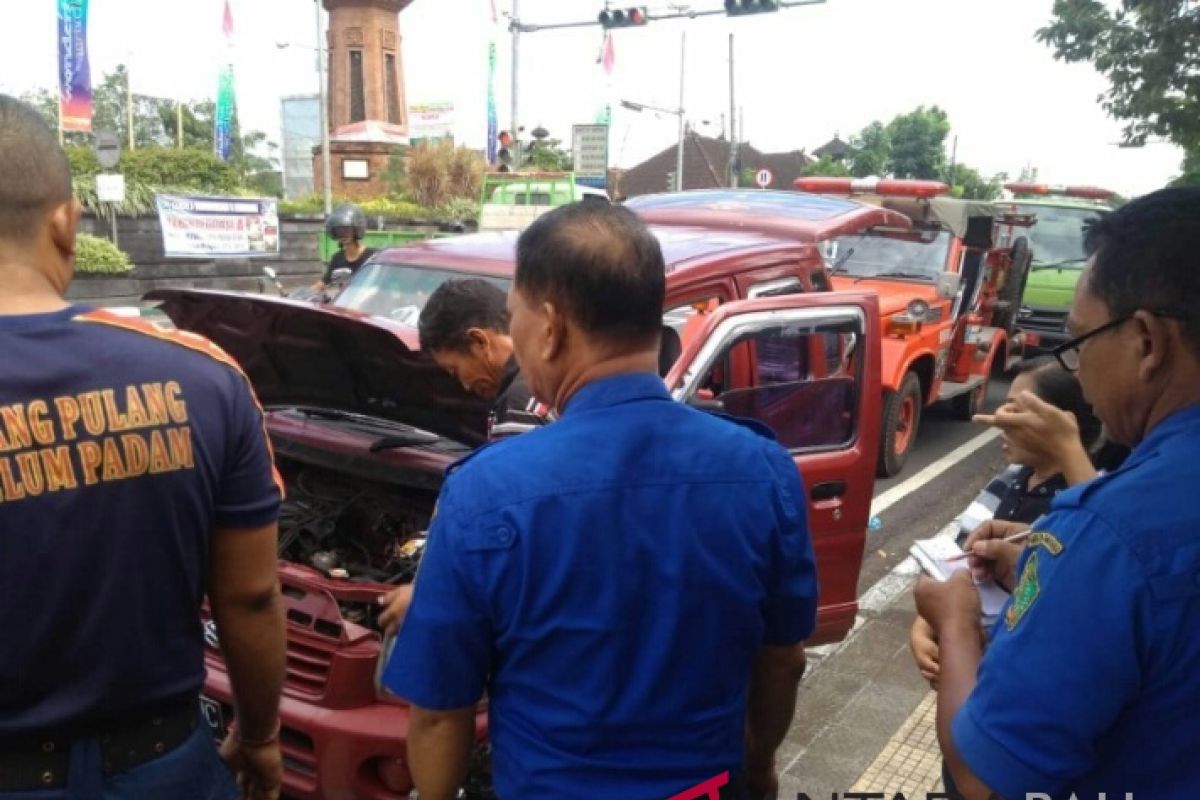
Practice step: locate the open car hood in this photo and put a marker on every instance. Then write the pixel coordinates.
(302, 355)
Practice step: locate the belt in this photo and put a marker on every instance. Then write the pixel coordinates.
(31, 762)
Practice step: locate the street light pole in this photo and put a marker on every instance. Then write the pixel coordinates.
(325, 160)
(682, 127)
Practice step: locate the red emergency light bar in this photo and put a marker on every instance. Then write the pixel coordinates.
(884, 187)
(1081, 192)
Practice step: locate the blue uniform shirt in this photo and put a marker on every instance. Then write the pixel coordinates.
(1092, 682)
(121, 448)
(609, 580)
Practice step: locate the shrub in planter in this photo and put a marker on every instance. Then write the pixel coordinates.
(94, 255)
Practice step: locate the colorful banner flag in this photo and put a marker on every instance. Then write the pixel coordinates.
(226, 99)
(74, 71)
(608, 61)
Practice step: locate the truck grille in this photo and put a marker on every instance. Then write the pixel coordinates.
(299, 755)
(307, 666)
(1043, 319)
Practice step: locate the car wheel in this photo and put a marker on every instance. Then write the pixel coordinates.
(901, 418)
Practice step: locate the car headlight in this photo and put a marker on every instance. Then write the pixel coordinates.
(918, 309)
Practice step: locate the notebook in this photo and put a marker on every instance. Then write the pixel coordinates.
(933, 557)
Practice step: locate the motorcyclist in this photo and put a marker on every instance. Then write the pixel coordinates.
(347, 225)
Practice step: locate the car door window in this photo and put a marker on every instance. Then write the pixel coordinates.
(806, 374)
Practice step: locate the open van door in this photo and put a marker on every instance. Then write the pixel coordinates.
(807, 366)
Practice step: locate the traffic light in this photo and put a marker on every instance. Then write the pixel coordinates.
(736, 8)
(632, 17)
(504, 156)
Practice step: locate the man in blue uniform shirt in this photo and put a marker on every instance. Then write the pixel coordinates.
(135, 478)
(1092, 681)
(632, 584)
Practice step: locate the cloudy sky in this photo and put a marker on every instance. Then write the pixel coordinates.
(802, 74)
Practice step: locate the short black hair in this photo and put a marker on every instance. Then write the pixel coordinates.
(1144, 256)
(457, 306)
(1062, 389)
(598, 264)
(34, 172)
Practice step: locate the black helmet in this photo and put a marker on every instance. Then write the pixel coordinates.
(347, 216)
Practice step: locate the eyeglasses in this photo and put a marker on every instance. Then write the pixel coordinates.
(1067, 353)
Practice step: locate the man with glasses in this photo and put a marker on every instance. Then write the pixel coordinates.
(1092, 681)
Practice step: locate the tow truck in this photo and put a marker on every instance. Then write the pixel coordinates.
(949, 292)
(1062, 213)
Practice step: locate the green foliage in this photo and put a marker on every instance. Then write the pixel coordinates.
(139, 198)
(199, 170)
(391, 208)
(918, 141)
(827, 168)
(83, 162)
(548, 155)
(968, 184)
(266, 184)
(99, 256)
(872, 151)
(1148, 52)
(395, 177)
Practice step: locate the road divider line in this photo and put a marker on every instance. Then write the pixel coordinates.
(907, 487)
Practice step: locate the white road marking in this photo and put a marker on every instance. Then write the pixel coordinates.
(903, 489)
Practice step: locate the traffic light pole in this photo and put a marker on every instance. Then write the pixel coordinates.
(649, 17)
(516, 45)
(682, 128)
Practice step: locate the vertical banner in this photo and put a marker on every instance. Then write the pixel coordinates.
(607, 60)
(492, 124)
(74, 72)
(226, 100)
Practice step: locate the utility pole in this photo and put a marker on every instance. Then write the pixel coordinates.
(516, 46)
(733, 137)
(953, 161)
(326, 167)
(682, 127)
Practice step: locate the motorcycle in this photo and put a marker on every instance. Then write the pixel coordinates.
(311, 294)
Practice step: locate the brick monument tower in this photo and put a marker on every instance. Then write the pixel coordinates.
(368, 115)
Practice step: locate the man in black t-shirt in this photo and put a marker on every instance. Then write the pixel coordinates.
(136, 481)
(464, 328)
(347, 225)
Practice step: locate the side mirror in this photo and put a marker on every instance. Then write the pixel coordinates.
(340, 275)
(947, 284)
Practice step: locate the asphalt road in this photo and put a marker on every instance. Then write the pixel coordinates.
(927, 508)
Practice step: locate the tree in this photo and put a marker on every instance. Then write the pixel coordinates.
(548, 155)
(872, 151)
(919, 143)
(968, 184)
(1191, 170)
(826, 168)
(1149, 50)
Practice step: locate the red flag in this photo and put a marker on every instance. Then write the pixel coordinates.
(607, 56)
(227, 26)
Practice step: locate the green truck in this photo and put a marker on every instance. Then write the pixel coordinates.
(1058, 258)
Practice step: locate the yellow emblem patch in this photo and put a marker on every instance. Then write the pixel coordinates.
(1046, 540)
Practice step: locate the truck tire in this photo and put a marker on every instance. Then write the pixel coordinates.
(901, 418)
(1014, 286)
(966, 406)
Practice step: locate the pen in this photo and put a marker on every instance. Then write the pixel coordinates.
(1020, 536)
